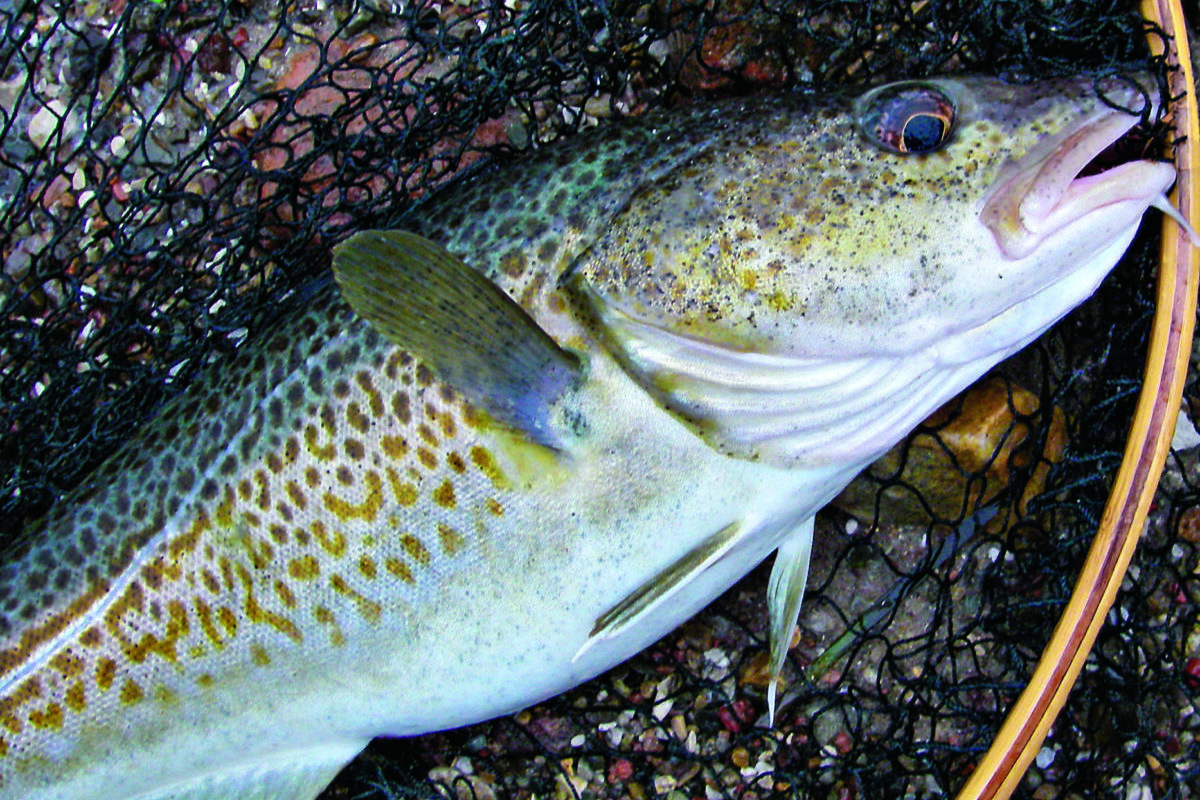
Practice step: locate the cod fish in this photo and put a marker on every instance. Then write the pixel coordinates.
(518, 443)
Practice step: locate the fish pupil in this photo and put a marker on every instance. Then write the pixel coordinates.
(922, 133)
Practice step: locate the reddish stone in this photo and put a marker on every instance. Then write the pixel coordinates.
(729, 720)
(620, 770)
(1191, 673)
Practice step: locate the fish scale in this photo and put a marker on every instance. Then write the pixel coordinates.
(174, 461)
(514, 446)
(269, 504)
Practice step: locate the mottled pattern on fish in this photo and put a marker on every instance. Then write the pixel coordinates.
(530, 226)
(240, 528)
(268, 547)
(213, 528)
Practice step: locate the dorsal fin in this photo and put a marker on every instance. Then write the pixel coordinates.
(471, 334)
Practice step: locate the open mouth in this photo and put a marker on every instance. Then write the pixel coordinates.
(1132, 146)
(1080, 172)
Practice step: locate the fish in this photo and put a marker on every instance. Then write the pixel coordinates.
(518, 441)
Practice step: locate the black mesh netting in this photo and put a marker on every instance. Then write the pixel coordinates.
(172, 174)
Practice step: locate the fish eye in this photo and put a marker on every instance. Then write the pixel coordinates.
(908, 118)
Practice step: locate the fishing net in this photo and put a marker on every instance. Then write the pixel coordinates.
(173, 174)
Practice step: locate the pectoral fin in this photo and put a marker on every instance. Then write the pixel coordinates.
(471, 334)
(650, 595)
(785, 591)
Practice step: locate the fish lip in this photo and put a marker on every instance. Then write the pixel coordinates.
(1044, 194)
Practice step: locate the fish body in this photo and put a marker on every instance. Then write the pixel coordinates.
(518, 444)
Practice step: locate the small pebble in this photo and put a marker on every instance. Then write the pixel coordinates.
(45, 122)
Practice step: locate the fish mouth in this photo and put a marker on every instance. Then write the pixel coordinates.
(1066, 179)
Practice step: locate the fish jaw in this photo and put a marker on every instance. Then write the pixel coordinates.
(1060, 232)
(1045, 196)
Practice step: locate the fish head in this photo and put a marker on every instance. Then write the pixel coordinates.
(887, 222)
(884, 248)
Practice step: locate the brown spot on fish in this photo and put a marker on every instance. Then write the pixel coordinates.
(51, 718)
(368, 509)
(426, 433)
(404, 492)
(264, 491)
(357, 419)
(444, 495)
(318, 451)
(369, 609)
(374, 398)
(210, 581)
(275, 412)
(486, 463)
(316, 379)
(398, 568)
(333, 543)
(259, 655)
(394, 446)
(295, 395)
(513, 263)
(401, 408)
(424, 376)
(291, 449)
(131, 693)
(228, 621)
(285, 595)
(452, 541)
(257, 614)
(204, 617)
(299, 499)
(185, 479)
(415, 549)
(304, 568)
(68, 664)
(76, 697)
